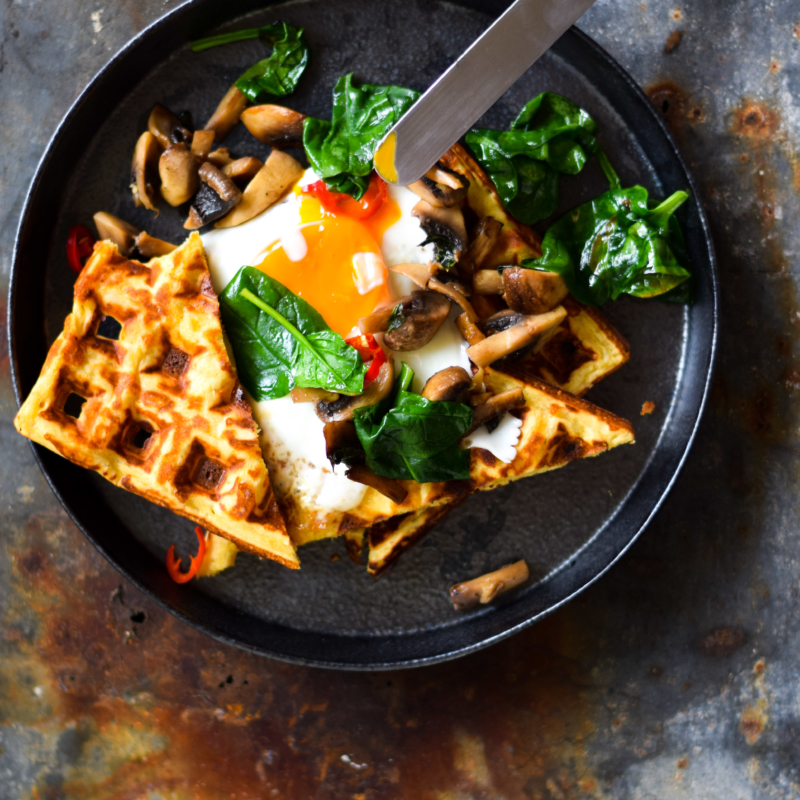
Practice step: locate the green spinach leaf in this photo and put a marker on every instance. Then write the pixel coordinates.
(341, 151)
(276, 75)
(617, 244)
(550, 137)
(444, 250)
(407, 437)
(279, 341)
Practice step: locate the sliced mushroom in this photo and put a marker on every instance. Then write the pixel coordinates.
(150, 247)
(312, 395)
(220, 182)
(479, 398)
(418, 273)
(207, 206)
(122, 233)
(486, 587)
(455, 292)
(494, 406)
(447, 384)
(167, 128)
(277, 175)
(484, 238)
(177, 169)
(501, 321)
(275, 125)
(342, 409)
(519, 334)
(488, 281)
(377, 321)
(531, 291)
(243, 169)
(145, 180)
(227, 113)
(417, 318)
(388, 487)
(217, 195)
(202, 142)
(469, 330)
(441, 187)
(341, 440)
(443, 224)
(220, 157)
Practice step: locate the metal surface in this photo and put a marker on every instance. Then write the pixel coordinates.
(673, 677)
(407, 619)
(472, 84)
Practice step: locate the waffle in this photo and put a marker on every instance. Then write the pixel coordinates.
(139, 387)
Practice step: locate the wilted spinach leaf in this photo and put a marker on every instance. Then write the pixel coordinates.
(341, 151)
(279, 341)
(276, 75)
(617, 244)
(444, 250)
(551, 136)
(407, 437)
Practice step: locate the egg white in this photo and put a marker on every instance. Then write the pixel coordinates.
(292, 436)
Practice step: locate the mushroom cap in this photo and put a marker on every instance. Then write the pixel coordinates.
(177, 169)
(276, 126)
(447, 384)
(531, 291)
(166, 127)
(145, 179)
(417, 318)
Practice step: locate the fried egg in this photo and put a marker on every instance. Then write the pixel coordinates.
(338, 264)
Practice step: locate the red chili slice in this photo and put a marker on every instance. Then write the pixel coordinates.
(80, 244)
(341, 203)
(369, 349)
(174, 564)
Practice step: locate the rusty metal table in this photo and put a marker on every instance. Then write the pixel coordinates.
(674, 677)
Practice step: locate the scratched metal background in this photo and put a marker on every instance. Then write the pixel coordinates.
(675, 677)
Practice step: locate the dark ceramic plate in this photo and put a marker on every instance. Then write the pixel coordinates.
(570, 525)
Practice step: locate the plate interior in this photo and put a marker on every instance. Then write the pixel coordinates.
(547, 520)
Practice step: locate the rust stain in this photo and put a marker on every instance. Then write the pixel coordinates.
(795, 162)
(683, 763)
(753, 721)
(677, 14)
(673, 40)
(722, 642)
(774, 67)
(674, 103)
(159, 708)
(670, 100)
(755, 121)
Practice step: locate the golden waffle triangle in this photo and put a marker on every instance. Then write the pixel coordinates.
(139, 387)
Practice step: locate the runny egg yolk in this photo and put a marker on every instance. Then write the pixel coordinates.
(334, 262)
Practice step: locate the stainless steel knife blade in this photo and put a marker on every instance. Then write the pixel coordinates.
(470, 86)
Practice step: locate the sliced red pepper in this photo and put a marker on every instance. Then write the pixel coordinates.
(341, 203)
(80, 244)
(174, 564)
(369, 349)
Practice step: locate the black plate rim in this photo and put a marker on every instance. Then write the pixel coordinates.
(155, 585)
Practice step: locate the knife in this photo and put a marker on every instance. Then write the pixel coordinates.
(471, 85)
